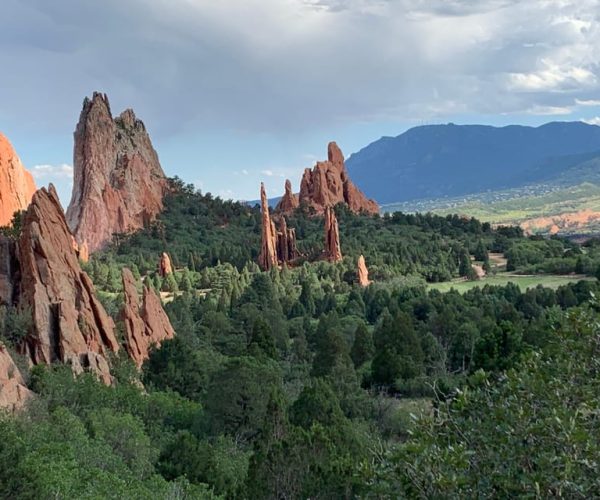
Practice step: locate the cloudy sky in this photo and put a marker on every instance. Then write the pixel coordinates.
(238, 91)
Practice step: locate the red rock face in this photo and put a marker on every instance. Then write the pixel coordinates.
(267, 258)
(326, 185)
(118, 184)
(363, 272)
(289, 202)
(9, 271)
(145, 326)
(333, 251)
(70, 324)
(164, 265)
(277, 247)
(16, 183)
(13, 392)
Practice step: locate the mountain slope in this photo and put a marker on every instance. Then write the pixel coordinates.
(450, 160)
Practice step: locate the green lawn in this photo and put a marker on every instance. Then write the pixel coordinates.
(524, 282)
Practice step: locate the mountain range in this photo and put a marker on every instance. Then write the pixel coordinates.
(437, 161)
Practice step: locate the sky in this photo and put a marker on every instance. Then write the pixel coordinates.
(235, 92)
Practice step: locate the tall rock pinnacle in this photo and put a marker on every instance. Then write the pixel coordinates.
(333, 251)
(118, 184)
(268, 251)
(16, 183)
(277, 247)
(69, 324)
(363, 272)
(326, 185)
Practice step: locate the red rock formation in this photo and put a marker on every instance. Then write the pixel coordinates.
(277, 247)
(164, 265)
(144, 327)
(84, 252)
(118, 184)
(16, 183)
(363, 272)
(289, 202)
(328, 184)
(69, 323)
(13, 392)
(9, 270)
(333, 251)
(287, 251)
(267, 258)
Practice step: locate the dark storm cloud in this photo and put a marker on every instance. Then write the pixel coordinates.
(281, 66)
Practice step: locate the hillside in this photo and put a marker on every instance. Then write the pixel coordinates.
(450, 160)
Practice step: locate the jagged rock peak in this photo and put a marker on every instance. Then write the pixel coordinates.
(333, 251)
(118, 182)
(145, 326)
(16, 184)
(326, 185)
(363, 272)
(289, 202)
(13, 391)
(69, 324)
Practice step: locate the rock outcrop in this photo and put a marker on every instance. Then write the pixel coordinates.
(363, 272)
(328, 184)
(16, 183)
(333, 251)
(287, 251)
(69, 324)
(145, 326)
(9, 271)
(118, 184)
(289, 202)
(267, 258)
(278, 247)
(164, 265)
(13, 391)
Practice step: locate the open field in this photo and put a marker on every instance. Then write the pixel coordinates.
(516, 206)
(524, 282)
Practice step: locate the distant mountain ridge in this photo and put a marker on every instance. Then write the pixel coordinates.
(436, 161)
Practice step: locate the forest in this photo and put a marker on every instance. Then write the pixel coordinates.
(299, 383)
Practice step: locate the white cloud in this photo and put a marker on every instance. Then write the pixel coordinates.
(592, 121)
(49, 172)
(268, 173)
(549, 110)
(587, 102)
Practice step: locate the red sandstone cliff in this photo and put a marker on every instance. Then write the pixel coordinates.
(326, 185)
(16, 183)
(118, 184)
(69, 323)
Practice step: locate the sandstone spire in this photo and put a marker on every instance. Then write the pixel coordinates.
(145, 326)
(289, 201)
(16, 183)
(333, 251)
(287, 251)
(268, 253)
(164, 265)
(69, 323)
(118, 184)
(13, 391)
(328, 184)
(363, 272)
